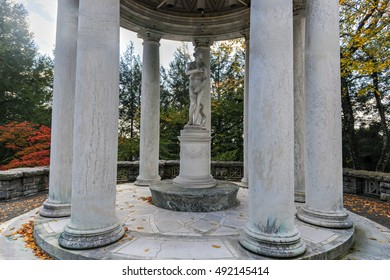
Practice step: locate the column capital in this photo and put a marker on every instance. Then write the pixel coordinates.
(202, 42)
(150, 36)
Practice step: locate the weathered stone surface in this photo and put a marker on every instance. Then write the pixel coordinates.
(172, 197)
(194, 158)
(20, 182)
(89, 240)
(271, 230)
(299, 108)
(323, 162)
(150, 110)
(95, 138)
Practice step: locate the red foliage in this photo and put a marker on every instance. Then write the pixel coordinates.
(29, 142)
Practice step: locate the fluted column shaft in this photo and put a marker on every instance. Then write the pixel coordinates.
(60, 181)
(271, 230)
(93, 221)
(299, 109)
(323, 161)
(246, 102)
(150, 111)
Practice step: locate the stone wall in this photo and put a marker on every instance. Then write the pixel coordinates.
(28, 181)
(221, 170)
(367, 183)
(21, 182)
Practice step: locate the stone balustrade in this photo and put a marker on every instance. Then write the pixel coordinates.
(21, 182)
(368, 183)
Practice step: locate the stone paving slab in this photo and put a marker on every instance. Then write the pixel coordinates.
(156, 233)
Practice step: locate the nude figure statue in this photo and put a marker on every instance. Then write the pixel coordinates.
(198, 77)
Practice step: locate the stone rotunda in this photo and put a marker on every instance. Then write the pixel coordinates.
(292, 127)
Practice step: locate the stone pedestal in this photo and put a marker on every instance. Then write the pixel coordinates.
(174, 197)
(194, 158)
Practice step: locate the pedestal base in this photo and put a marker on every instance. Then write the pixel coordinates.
(273, 246)
(55, 210)
(73, 239)
(324, 219)
(244, 182)
(143, 182)
(172, 197)
(299, 197)
(195, 183)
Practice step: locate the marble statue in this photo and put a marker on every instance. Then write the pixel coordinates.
(198, 76)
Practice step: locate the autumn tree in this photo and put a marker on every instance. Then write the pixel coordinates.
(227, 81)
(24, 145)
(365, 42)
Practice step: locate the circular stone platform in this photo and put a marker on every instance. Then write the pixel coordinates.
(169, 196)
(157, 234)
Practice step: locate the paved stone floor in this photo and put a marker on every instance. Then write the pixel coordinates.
(155, 233)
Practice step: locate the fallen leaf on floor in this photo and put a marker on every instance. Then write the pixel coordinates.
(148, 199)
(146, 250)
(216, 246)
(27, 231)
(11, 228)
(372, 238)
(126, 228)
(140, 227)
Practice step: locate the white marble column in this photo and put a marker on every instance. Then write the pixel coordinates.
(271, 230)
(244, 180)
(150, 110)
(60, 182)
(323, 161)
(203, 44)
(299, 108)
(93, 221)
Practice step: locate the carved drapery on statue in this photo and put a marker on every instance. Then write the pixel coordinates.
(197, 71)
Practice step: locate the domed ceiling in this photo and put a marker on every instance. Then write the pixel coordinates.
(185, 19)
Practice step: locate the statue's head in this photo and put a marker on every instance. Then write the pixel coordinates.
(198, 54)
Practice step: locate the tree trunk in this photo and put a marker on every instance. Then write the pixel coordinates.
(349, 125)
(385, 153)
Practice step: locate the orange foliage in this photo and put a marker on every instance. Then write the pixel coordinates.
(30, 144)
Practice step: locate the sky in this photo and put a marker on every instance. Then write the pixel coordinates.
(42, 19)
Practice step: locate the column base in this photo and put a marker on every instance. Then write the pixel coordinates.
(147, 182)
(74, 239)
(244, 181)
(324, 219)
(272, 245)
(299, 197)
(55, 210)
(195, 183)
